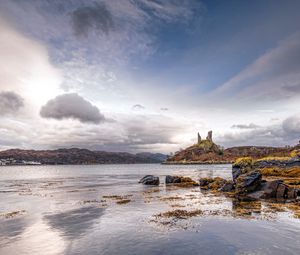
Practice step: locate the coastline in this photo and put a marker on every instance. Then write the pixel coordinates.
(197, 163)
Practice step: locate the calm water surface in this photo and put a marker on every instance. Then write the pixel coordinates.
(71, 210)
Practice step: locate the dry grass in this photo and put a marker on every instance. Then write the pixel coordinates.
(271, 158)
(243, 162)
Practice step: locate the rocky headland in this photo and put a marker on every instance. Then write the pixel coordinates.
(207, 152)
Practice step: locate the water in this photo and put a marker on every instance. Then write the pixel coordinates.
(73, 210)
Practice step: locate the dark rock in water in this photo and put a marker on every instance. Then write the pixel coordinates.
(173, 179)
(183, 181)
(248, 182)
(150, 180)
(236, 172)
(274, 189)
(227, 187)
(205, 181)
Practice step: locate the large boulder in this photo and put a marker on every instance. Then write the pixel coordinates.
(276, 190)
(227, 187)
(150, 180)
(248, 182)
(241, 166)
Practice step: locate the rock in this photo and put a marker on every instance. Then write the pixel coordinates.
(281, 191)
(248, 182)
(205, 181)
(236, 172)
(241, 166)
(227, 187)
(212, 183)
(269, 189)
(150, 180)
(173, 179)
(183, 181)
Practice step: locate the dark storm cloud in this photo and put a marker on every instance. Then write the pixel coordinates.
(87, 17)
(71, 106)
(245, 126)
(10, 102)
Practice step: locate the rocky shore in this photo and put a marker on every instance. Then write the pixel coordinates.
(275, 178)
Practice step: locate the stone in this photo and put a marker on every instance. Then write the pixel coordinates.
(236, 172)
(282, 191)
(209, 136)
(248, 182)
(150, 180)
(184, 181)
(199, 138)
(269, 189)
(227, 187)
(173, 179)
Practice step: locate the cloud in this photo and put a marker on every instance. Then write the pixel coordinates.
(164, 109)
(25, 67)
(285, 133)
(92, 17)
(245, 126)
(138, 107)
(292, 125)
(71, 106)
(273, 76)
(10, 102)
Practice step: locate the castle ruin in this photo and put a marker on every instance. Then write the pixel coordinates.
(208, 137)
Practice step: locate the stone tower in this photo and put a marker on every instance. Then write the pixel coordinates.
(199, 138)
(209, 136)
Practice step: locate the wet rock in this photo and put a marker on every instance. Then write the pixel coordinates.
(150, 180)
(212, 183)
(173, 179)
(181, 181)
(205, 181)
(241, 166)
(269, 189)
(236, 172)
(227, 187)
(248, 182)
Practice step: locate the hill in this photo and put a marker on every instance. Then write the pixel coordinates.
(207, 152)
(76, 156)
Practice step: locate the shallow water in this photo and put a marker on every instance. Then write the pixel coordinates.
(73, 210)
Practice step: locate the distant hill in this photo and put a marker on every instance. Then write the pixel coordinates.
(206, 152)
(80, 156)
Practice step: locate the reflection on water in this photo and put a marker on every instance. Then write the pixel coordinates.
(103, 210)
(74, 223)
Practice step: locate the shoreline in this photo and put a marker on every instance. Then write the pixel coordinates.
(197, 163)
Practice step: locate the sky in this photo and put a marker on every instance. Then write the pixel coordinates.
(147, 75)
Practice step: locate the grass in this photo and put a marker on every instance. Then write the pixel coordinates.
(271, 158)
(243, 162)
